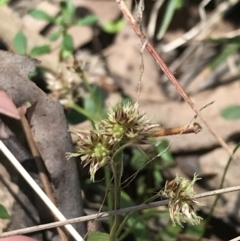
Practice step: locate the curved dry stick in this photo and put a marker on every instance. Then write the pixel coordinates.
(103, 215)
(167, 71)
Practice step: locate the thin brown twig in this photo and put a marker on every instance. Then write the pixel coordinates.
(167, 71)
(194, 128)
(40, 165)
(110, 213)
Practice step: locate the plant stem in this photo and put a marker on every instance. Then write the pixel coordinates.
(110, 196)
(89, 88)
(117, 168)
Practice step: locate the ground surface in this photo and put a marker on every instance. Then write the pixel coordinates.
(199, 153)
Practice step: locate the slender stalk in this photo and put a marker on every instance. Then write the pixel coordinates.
(102, 215)
(117, 168)
(110, 196)
(88, 87)
(127, 14)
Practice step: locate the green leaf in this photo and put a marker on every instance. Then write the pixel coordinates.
(54, 36)
(114, 27)
(231, 112)
(179, 4)
(126, 200)
(224, 40)
(157, 176)
(41, 15)
(67, 12)
(39, 50)
(169, 232)
(88, 20)
(94, 106)
(141, 186)
(171, 7)
(20, 43)
(195, 230)
(166, 155)
(97, 236)
(221, 57)
(137, 227)
(74, 117)
(59, 20)
(2, 2)
(3, 212)
(67, 46)
(139, 159)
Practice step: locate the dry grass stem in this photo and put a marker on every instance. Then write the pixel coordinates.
(110, 213)
(168, 73)
(39, 191)
(40, 164)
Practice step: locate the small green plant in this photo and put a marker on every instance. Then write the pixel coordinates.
(68, 90)
(104, 146)
(64, 21)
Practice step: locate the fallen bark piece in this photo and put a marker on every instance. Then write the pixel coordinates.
(50, 131)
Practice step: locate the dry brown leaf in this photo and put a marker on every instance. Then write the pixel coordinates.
(7, 107)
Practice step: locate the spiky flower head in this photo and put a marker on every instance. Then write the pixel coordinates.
(125, 123)
(95, 149)
(122, 125)
(182, 205)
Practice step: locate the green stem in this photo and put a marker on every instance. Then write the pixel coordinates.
(82, 111)
(221, 186)
(117, 168)
(89, 88)
(110, 196)
(64, 32)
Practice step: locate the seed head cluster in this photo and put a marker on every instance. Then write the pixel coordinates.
(182, 205)
(123, 124)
